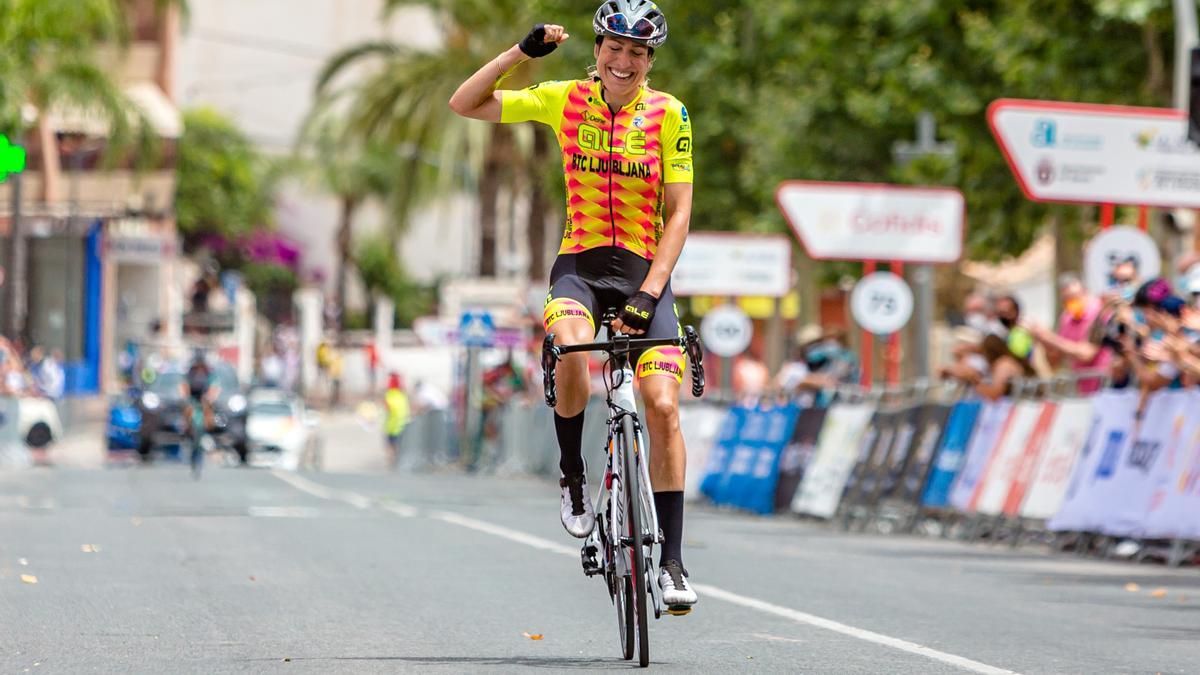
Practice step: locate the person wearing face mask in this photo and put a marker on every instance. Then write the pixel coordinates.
(1017, 337)
(1072, 342)
(627, 160)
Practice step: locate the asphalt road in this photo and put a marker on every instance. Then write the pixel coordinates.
(248, 571)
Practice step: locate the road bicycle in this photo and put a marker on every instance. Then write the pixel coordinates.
(621, 546)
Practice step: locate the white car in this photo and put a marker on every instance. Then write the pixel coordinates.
(281, 432)
(37, 421)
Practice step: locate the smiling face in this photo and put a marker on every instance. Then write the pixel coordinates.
(622, 66)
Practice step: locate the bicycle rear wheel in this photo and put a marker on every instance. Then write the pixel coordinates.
(632, 487)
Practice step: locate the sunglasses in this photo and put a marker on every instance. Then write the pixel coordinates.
(642, 29)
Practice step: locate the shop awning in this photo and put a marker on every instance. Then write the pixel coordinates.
(159, 111)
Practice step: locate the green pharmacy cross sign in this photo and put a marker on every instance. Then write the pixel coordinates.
(12, 158)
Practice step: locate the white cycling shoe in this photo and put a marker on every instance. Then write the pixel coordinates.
(578, 516)
(677, 593)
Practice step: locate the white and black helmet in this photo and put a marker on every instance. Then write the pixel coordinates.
(638, 20)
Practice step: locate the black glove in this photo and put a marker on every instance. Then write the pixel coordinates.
(534, 45)
(639, 310)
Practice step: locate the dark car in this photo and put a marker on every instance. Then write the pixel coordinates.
(163, 408)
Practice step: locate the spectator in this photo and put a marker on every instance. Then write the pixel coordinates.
(1018, 339)
(979, 313)
(396, 403)
(271, 368)
(1073, 340)
(969, 365)
(47, 372)
(1004, 367)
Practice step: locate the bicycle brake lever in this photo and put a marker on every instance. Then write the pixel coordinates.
(549, 363)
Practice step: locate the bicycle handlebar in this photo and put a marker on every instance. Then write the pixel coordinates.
(622, 344)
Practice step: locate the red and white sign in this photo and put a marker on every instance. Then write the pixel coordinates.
(1098, 154)
(869, 221)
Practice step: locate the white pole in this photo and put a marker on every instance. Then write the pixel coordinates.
(1186, 37)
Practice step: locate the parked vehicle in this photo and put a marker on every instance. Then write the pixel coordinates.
(38, 422)
(162, 418)
(281, 431)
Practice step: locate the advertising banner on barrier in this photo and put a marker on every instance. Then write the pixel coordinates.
(950, 453)
(752, 470)
(1174, 510)
(1158, 435)
(1111, 429)
(701, 425)
(722, 451)
(797, 455)
(989, 427)
(931, 422)
(1005, 462)
(837, 450)
(1064, 442)
(875, 443)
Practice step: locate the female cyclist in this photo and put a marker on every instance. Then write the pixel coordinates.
(627, 156)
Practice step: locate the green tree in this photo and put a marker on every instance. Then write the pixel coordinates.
(401, 102)
(352, 171)
(383, 275)
(221, 185)
(48, 52)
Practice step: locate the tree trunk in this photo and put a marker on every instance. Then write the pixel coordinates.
(499, 154)
(51, 165)
(343, 243)
(537, 207)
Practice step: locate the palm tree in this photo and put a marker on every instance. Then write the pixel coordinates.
(401, 102)
(48, 52)
(351, 171)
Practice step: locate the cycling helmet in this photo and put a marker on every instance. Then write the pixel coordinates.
(638, 20)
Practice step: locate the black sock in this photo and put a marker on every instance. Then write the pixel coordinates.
(670, 518)
(570, 441)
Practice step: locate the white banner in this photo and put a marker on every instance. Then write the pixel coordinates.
(1006, 459)
(1063, 445)
(838, 448)
(700, 425)
(1111, 429)
(1157, 438)
(1174, 510)
(991, 422)
(1074, 152)
(867, 221)
(733, 264)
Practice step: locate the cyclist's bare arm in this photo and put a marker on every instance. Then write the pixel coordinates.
(477, 98)
(677, 198)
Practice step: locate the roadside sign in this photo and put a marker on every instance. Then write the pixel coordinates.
(1115, 246)
(476, 328)
(12, 158)
(732, 264)
(726, 331)
(881, 303)
(1098, 154)
(868, 221)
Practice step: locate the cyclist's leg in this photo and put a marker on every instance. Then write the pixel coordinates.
(570, 308)
(660, 374)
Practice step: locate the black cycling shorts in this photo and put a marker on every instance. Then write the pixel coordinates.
(587, 285)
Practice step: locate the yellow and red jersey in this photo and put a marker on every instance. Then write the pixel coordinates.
(615, 164)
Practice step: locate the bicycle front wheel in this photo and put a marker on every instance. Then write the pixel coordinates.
(632, 487)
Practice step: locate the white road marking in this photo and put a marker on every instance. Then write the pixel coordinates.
(500, 531)
(323, 491)
(282, 512)
(533, 541)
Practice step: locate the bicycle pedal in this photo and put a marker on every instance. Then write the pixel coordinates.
(679, 610)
